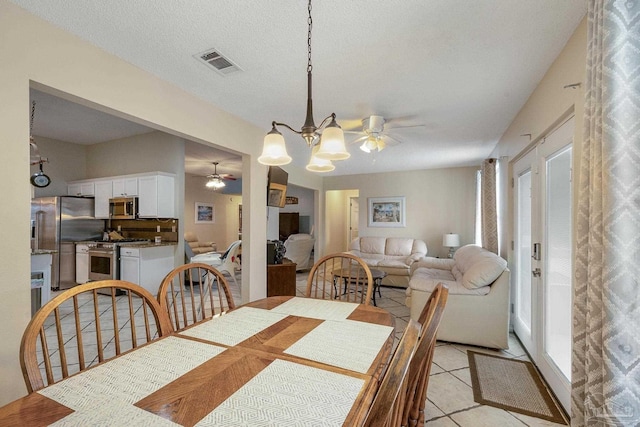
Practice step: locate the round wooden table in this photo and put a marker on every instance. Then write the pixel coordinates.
(360, 275)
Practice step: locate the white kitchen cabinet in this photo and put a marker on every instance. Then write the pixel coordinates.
(125, 187)
(146, 266)
(156, 196)
(155, 192)
(82, 263)
(130, 265)
(102, 195)
(81, 189)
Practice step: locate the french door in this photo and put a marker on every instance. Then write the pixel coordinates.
(543, 256)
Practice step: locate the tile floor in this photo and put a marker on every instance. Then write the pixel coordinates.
(450, 397)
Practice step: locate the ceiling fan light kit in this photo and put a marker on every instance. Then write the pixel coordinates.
(331, 145)
(215, 181)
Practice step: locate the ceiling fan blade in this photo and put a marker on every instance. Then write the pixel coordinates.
(357, 140)
(351, 124)
(358, 132)
(390, 140)
(404, 127)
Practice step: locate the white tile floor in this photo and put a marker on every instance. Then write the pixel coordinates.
(450, 397)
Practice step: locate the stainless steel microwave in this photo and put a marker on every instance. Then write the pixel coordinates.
(123, 208)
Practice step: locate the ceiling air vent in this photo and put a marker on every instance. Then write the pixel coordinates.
(214, 59)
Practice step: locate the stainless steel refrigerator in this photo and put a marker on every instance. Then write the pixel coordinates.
(57, 223)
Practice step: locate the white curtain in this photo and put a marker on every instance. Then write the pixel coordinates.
(606, 302)
(489, 215)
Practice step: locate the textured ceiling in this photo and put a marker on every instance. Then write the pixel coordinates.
(462, 69)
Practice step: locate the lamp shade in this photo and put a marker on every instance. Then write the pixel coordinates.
(332, 143)
(274, 152)
(451, 240)
(319, 165)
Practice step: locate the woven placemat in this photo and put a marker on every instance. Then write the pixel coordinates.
(513, 385)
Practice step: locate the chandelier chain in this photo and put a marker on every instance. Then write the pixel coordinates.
(310, 22)
(33, 113)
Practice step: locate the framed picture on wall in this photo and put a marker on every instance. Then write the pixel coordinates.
(204, 213)
(386, 212)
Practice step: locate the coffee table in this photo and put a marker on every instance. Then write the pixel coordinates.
(359, 274)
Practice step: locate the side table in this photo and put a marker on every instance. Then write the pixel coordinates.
(377, 276)
(281, 279)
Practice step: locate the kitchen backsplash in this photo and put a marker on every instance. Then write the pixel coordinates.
(166, 228)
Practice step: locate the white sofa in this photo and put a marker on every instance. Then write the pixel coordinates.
(477, 310)
(393, 255)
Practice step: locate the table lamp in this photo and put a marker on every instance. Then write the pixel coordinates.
(451, 241)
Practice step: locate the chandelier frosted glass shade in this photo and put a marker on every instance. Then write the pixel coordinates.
(274, 152)
(332, 143)
(319, 165)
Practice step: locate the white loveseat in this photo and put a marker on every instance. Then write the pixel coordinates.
(477, 310)
(393, 255)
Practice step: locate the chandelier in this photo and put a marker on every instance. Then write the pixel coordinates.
(331, 138)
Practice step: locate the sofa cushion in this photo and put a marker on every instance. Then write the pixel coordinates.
(426, 279)
(464, 256)
(372, 245)
(484, 271)
(398, 246)
(396, 263)
(371, 262)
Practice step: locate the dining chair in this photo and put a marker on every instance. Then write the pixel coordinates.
(88, 325)
(193, 293)
(387, 407)
(420, 368)
(340, 276)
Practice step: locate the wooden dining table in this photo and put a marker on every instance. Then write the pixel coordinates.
(276, 361)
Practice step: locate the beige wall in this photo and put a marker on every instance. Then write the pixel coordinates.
(548, 105)
(82, 73)
(224, 230)
(438, 201)
(149, 152)
(336, 221)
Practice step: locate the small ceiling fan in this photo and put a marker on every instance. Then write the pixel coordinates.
(374, 136)
(216, 180)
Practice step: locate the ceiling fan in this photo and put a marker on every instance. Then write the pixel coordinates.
(216, 180)
(374, 136)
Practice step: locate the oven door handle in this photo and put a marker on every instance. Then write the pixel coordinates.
(100, 251)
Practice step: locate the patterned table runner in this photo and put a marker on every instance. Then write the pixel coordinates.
(355, 347)
(287, 393)
(316, 308)
(234, 327)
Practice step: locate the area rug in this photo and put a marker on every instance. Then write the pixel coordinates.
(513, 385)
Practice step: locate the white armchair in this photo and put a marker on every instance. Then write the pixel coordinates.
(298, 249)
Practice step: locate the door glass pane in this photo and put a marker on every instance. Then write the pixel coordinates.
(557, 338)
(524, 249)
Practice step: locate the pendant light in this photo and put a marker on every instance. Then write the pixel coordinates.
(331, 145)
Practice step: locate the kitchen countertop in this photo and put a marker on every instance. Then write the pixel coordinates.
(146, 245)
(43, 251)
